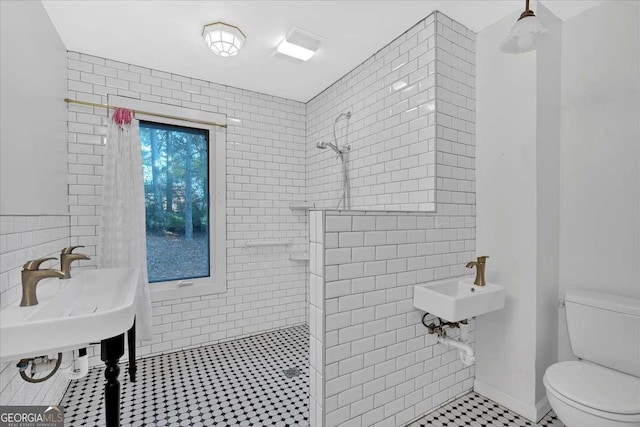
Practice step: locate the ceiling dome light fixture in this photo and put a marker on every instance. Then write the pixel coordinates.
(223, 39)
(524, 34)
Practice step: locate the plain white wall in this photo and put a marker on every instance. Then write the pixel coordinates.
(548, 124)
(518, 213)
(33, 125)
(33, 166)
(600, 169)
(506, 210)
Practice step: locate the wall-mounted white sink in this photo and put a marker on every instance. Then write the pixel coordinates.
(91, 306)
(458, 299)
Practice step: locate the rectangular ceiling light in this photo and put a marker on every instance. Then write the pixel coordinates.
(299, 44)
(298, 52)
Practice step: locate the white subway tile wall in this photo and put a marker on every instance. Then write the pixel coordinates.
(382, 367)
(455, 116)
(24, 238)
(412, 126)
(265, 172)
(392, 129)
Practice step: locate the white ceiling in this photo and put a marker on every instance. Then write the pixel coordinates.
(166, 35)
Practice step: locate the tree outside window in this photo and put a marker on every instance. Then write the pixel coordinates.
(176, 181)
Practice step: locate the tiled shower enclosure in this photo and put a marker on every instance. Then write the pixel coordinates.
(413, 133)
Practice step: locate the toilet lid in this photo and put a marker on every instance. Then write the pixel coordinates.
(595, 387)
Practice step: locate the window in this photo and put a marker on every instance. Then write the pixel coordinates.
(185, 268)
(178, 168)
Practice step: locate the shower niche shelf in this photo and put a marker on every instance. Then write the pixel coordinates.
(301, 206)
(299, 256)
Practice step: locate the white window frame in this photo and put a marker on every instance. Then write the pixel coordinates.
(217, 282)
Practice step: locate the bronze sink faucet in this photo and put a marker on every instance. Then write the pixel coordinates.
(31, 276)
(480, 265)
(67, 257)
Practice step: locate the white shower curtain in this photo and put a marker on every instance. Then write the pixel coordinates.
(122, 234)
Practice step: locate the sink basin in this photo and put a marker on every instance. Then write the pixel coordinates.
(458, 299)
(91, 306)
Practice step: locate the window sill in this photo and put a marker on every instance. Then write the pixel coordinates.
(169, 291)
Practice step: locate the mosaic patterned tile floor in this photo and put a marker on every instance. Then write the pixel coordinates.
(477, 411)
(256, 381)
(253, 382)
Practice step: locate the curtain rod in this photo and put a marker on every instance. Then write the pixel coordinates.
(164, 116)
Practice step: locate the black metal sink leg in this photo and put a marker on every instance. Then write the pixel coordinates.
(131, 343)
(111, 350)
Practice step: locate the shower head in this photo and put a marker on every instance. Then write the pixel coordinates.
(323, 145)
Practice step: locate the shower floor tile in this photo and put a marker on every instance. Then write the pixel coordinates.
(477, 411)
(255, 381)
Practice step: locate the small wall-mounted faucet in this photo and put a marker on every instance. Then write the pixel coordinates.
(67, 257)
(31, 275)
(480, 265)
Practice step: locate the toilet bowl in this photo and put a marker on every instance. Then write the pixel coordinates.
(587, 395)
(602, 389)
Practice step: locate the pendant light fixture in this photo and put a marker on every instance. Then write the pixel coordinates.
(525, 33)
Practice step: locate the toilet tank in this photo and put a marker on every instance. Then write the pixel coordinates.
(605, 329)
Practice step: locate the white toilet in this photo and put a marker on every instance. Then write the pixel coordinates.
(602, 389)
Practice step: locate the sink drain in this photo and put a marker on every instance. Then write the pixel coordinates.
(292, 372)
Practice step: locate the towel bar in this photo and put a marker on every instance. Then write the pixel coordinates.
(259, 243)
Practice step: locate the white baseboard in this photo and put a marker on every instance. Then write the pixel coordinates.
(532, 413)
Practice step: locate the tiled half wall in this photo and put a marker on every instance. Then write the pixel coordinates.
(372, 360)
